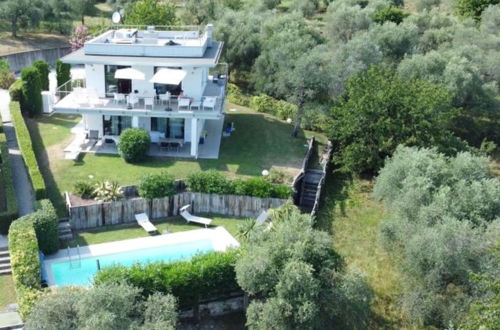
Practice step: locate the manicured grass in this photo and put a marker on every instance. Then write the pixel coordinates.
(259, 142)
(353, 218)
(7, 291)
(132, 230)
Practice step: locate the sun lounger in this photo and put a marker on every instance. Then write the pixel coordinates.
(261, 218)
(143, 221)
(193, 218)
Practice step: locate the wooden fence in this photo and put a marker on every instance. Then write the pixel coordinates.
(111, 213)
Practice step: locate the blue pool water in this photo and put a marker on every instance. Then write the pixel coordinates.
(82, 273)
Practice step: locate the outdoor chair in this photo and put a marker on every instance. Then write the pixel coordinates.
(209, 102)
(149, 101)
(143, 221)
(193, 218)
(195, 104)
(118, 98)
(184, 102)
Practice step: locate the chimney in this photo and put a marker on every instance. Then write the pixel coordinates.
(209, 30)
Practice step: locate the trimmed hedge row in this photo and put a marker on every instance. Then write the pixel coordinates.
(213, 182)
(25, 262)
(26, 147)
(205, 276)
(12, 209)
(45, 222)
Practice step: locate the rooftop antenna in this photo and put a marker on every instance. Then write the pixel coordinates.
(116, 18)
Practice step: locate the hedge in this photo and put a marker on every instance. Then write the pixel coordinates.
(12, 210)
(25, 263)
(43, 70)
(26, 147)
(63, 72)
(205, 276)
(213, 182)
(45, 222)
(16, 91)
(32, 89)
(278, 108)
(157, 185)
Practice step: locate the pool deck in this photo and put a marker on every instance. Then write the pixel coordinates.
(220, 237)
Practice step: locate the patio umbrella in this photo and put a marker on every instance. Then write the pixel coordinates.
(168, 76)
(129, 73)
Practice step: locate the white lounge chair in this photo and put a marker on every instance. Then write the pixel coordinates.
(143, 221)
(193, 218)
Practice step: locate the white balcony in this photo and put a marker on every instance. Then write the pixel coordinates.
(76, 97)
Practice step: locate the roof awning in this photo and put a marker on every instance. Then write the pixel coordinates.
(129, 73)
(168, 76)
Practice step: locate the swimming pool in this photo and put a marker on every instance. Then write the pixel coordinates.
(78, 266)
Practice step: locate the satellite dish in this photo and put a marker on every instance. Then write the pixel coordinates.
(116, 18)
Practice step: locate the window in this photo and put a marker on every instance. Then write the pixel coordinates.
(163, 88)
(114, 125)
(113, 85)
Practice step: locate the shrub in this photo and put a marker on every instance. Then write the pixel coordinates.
(11, 211)
(26, 147)
(257, 187)
(45, 222)
(285, 110)
(389, 14)
(235, 95)
(134, 144)
(108, 191)
(32, 88)
(209, 182)
(25, 262)
(43, 70)
(474, 8)
(157, 186)
(63, 72)
(84, 189)
(281, 191)
(16, 91)
(6, 76)
(205, 276)
(263, 103)
(277, 176)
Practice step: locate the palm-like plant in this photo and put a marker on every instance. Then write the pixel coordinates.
(246, 228)
(107, 191)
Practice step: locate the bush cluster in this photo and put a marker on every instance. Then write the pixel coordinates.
(31, 91)
(84, 189)
(134, 144)
(235, 95)
(45, 222)
(205, 276)
(278, 108)
(213, 182)
(157, 186)
(11, 211)
(26, 147)
(6, 76)
(25, 262)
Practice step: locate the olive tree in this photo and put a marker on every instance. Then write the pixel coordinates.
(20, 14)
(297, 278)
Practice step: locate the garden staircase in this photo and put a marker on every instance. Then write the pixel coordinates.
(65, 232)
(5, 261)
(309, 188)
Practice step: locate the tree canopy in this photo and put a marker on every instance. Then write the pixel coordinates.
(381, 111)
(151, 12)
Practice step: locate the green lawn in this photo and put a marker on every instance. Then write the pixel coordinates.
(132, 230)
(353, 217)
(259, 142)
(7, 292)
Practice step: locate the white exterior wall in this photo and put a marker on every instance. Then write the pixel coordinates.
(93, 122)
(95, 78)
(194, 83)
(144, 85)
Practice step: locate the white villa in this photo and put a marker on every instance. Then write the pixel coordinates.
(167, 82)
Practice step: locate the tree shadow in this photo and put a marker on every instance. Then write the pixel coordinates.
(53, 192)
(334, 200)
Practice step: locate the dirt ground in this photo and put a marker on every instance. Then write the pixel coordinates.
(28, 41)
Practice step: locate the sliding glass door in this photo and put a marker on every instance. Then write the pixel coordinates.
(171, 127)
(114, 125)
(113, 85)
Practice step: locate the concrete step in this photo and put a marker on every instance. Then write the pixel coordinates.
(5, 271)
(3, 249)
(5, 259)
(4, 266)
(4, 254)
(66, 237)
